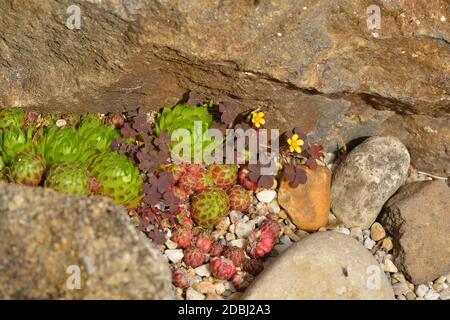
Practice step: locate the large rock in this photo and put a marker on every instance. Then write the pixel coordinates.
(418, 217)
(47, 239)
(308, 205)
(312, 64)
(324, 265)
(369, 175)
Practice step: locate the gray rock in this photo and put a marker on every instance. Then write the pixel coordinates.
(418, 217)
(367, 178)
(48, 238)
(324, 265)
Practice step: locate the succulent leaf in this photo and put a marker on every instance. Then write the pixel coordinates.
(69, 178)
(119, 178)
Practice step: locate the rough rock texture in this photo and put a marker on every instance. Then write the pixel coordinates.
(308, 205)
(369, 175)
(43, 234)
(418, 217)
(314, 61)
(324, 265)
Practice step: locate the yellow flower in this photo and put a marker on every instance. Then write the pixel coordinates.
(295, 143)
(258, 119)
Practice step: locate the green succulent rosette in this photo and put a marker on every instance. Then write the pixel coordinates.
(12, 117)
(27, 169)
(196, 120)
(15, 140)
(60, 145)
(118, 177)
(97, 136)
(70, 178)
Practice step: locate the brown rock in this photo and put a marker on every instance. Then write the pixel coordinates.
(418, 217)
(427, 140)
(308, 205)
(149, 53)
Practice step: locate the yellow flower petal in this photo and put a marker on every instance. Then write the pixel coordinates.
(298, 150)
(289, 141)
(261, 114)
(291, 148)
(301, 142)
(262, 121)
(295, 137)
(257, 124)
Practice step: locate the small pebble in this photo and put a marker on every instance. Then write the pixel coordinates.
(238, 243)
(357, 234)
(301, 233)
(431, 295)
(220, 288)
(235, 216)
(192, 294)
(380, 255)
(257, 221)
(291, 234)
(389, 266)
(174, 255)
(205, 287)
(266, 196)
(282, 214)
(399, 277)
(232, 228)
(400, 288)
(170, 244)
(261, 209)
(61, 123)
(344, 231)
(243, 229)
(421, 290)
(410, 295)
(195, 279)
(235, 296)
(223, 223)
(203, 270)
(274, 207)
(217, 234)
(440, 279)
(377, 232)
(369, 243)
(230, 236)
(387, 244)
(445, 295)
(366, 233)
(438, 287)
(213, 296)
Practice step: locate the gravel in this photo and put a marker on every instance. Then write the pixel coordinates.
(266, 196)
(174, 255)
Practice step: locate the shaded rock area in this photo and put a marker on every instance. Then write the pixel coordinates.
(47, 239)
(369, 175)
(314, 61)
(418, 217)
(324, 265)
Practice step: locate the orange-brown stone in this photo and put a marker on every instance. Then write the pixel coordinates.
(308, 205)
